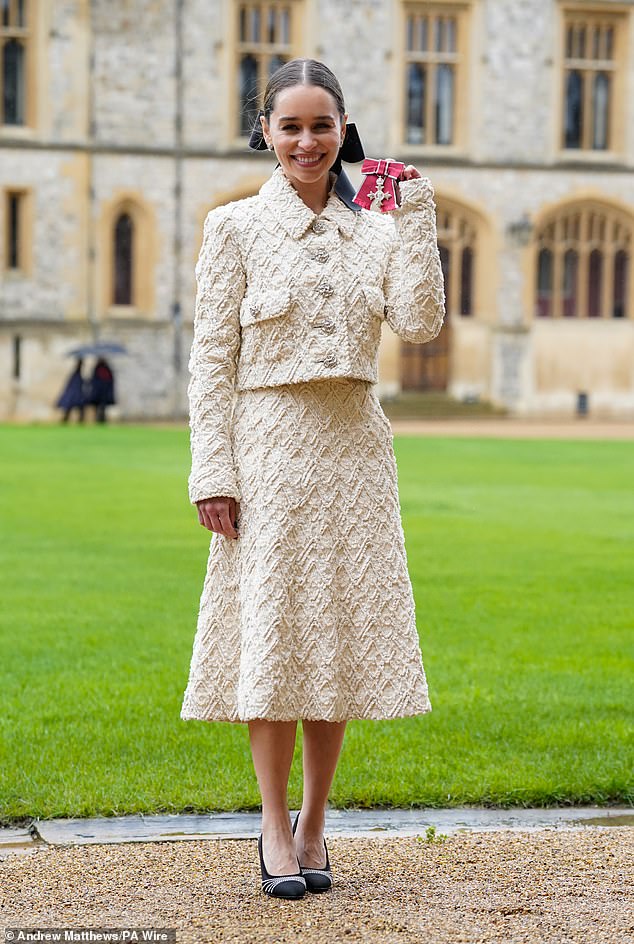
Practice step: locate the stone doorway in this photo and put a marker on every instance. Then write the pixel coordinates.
(426, 366)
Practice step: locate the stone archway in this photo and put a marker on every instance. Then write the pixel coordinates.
(427, 366)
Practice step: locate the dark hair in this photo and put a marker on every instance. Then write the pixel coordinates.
(302, 72)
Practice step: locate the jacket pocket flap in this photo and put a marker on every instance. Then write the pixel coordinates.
(261, 306)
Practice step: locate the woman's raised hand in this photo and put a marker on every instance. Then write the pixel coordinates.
(219, 515)
(410, 172)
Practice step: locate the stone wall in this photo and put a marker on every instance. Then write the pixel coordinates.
(107, 130)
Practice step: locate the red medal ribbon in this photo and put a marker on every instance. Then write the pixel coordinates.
(380, 188)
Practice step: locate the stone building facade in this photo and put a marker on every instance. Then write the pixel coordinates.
(124, 122)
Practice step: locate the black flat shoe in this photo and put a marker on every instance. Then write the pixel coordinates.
(317, 880)
(281, 886)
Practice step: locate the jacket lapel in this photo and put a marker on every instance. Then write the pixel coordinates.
(294, 216)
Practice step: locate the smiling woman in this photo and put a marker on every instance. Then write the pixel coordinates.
(307, 610)
(306, 130)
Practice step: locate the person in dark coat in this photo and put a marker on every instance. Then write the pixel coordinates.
(74, 394)
(102, 389)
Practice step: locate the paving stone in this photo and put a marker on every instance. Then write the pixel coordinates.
(354, 823)
(16, 840)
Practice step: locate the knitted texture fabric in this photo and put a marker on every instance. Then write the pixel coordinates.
(285, 296)
(310, 612)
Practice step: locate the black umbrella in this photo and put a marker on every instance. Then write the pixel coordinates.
(99, 349)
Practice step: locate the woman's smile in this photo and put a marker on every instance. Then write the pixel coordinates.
(306, 161)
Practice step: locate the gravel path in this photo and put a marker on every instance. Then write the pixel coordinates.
(510, 887)
(515, 428)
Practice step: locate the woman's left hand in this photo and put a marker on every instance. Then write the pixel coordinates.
(410, 173)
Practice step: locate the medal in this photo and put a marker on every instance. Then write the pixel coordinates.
(379, 191)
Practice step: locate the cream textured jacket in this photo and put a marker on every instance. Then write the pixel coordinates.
(285, 295)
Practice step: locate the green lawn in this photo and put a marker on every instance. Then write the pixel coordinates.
(522, 559)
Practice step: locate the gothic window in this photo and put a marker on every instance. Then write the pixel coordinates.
(583, 263)
(595, 275)
(544, 282)
(14, 42)
(457, 243)
(265, 33)
(432, 61)
(426, 366)
(123, 260)
(570, 284)
(590, 71)
(14, 228)
(17, 357)
(621, 272)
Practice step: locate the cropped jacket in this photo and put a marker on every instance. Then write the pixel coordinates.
(285, 296)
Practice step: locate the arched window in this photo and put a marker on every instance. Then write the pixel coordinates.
(426, 366)
(621, 272)
(582, 263)
(14, 209)
(545, 283)
(570, 284)
(457, 241)
(595, 276)
(128, 257)
(123, 260)
(466, 281)
(14, 40)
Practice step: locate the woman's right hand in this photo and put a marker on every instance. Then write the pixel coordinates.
(219, 515)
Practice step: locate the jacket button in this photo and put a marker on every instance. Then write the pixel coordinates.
(325, 288)
(255, 310)
(328, 327)
(330, 360)
(320, 255)
(319, 226)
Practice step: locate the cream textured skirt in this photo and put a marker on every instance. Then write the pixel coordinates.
(309, 613)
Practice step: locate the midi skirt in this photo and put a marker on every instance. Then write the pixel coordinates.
(309, 613)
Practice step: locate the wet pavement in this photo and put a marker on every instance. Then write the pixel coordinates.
(345, 823)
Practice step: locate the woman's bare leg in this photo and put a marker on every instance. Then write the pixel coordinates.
(322, 745)
(272, 747)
